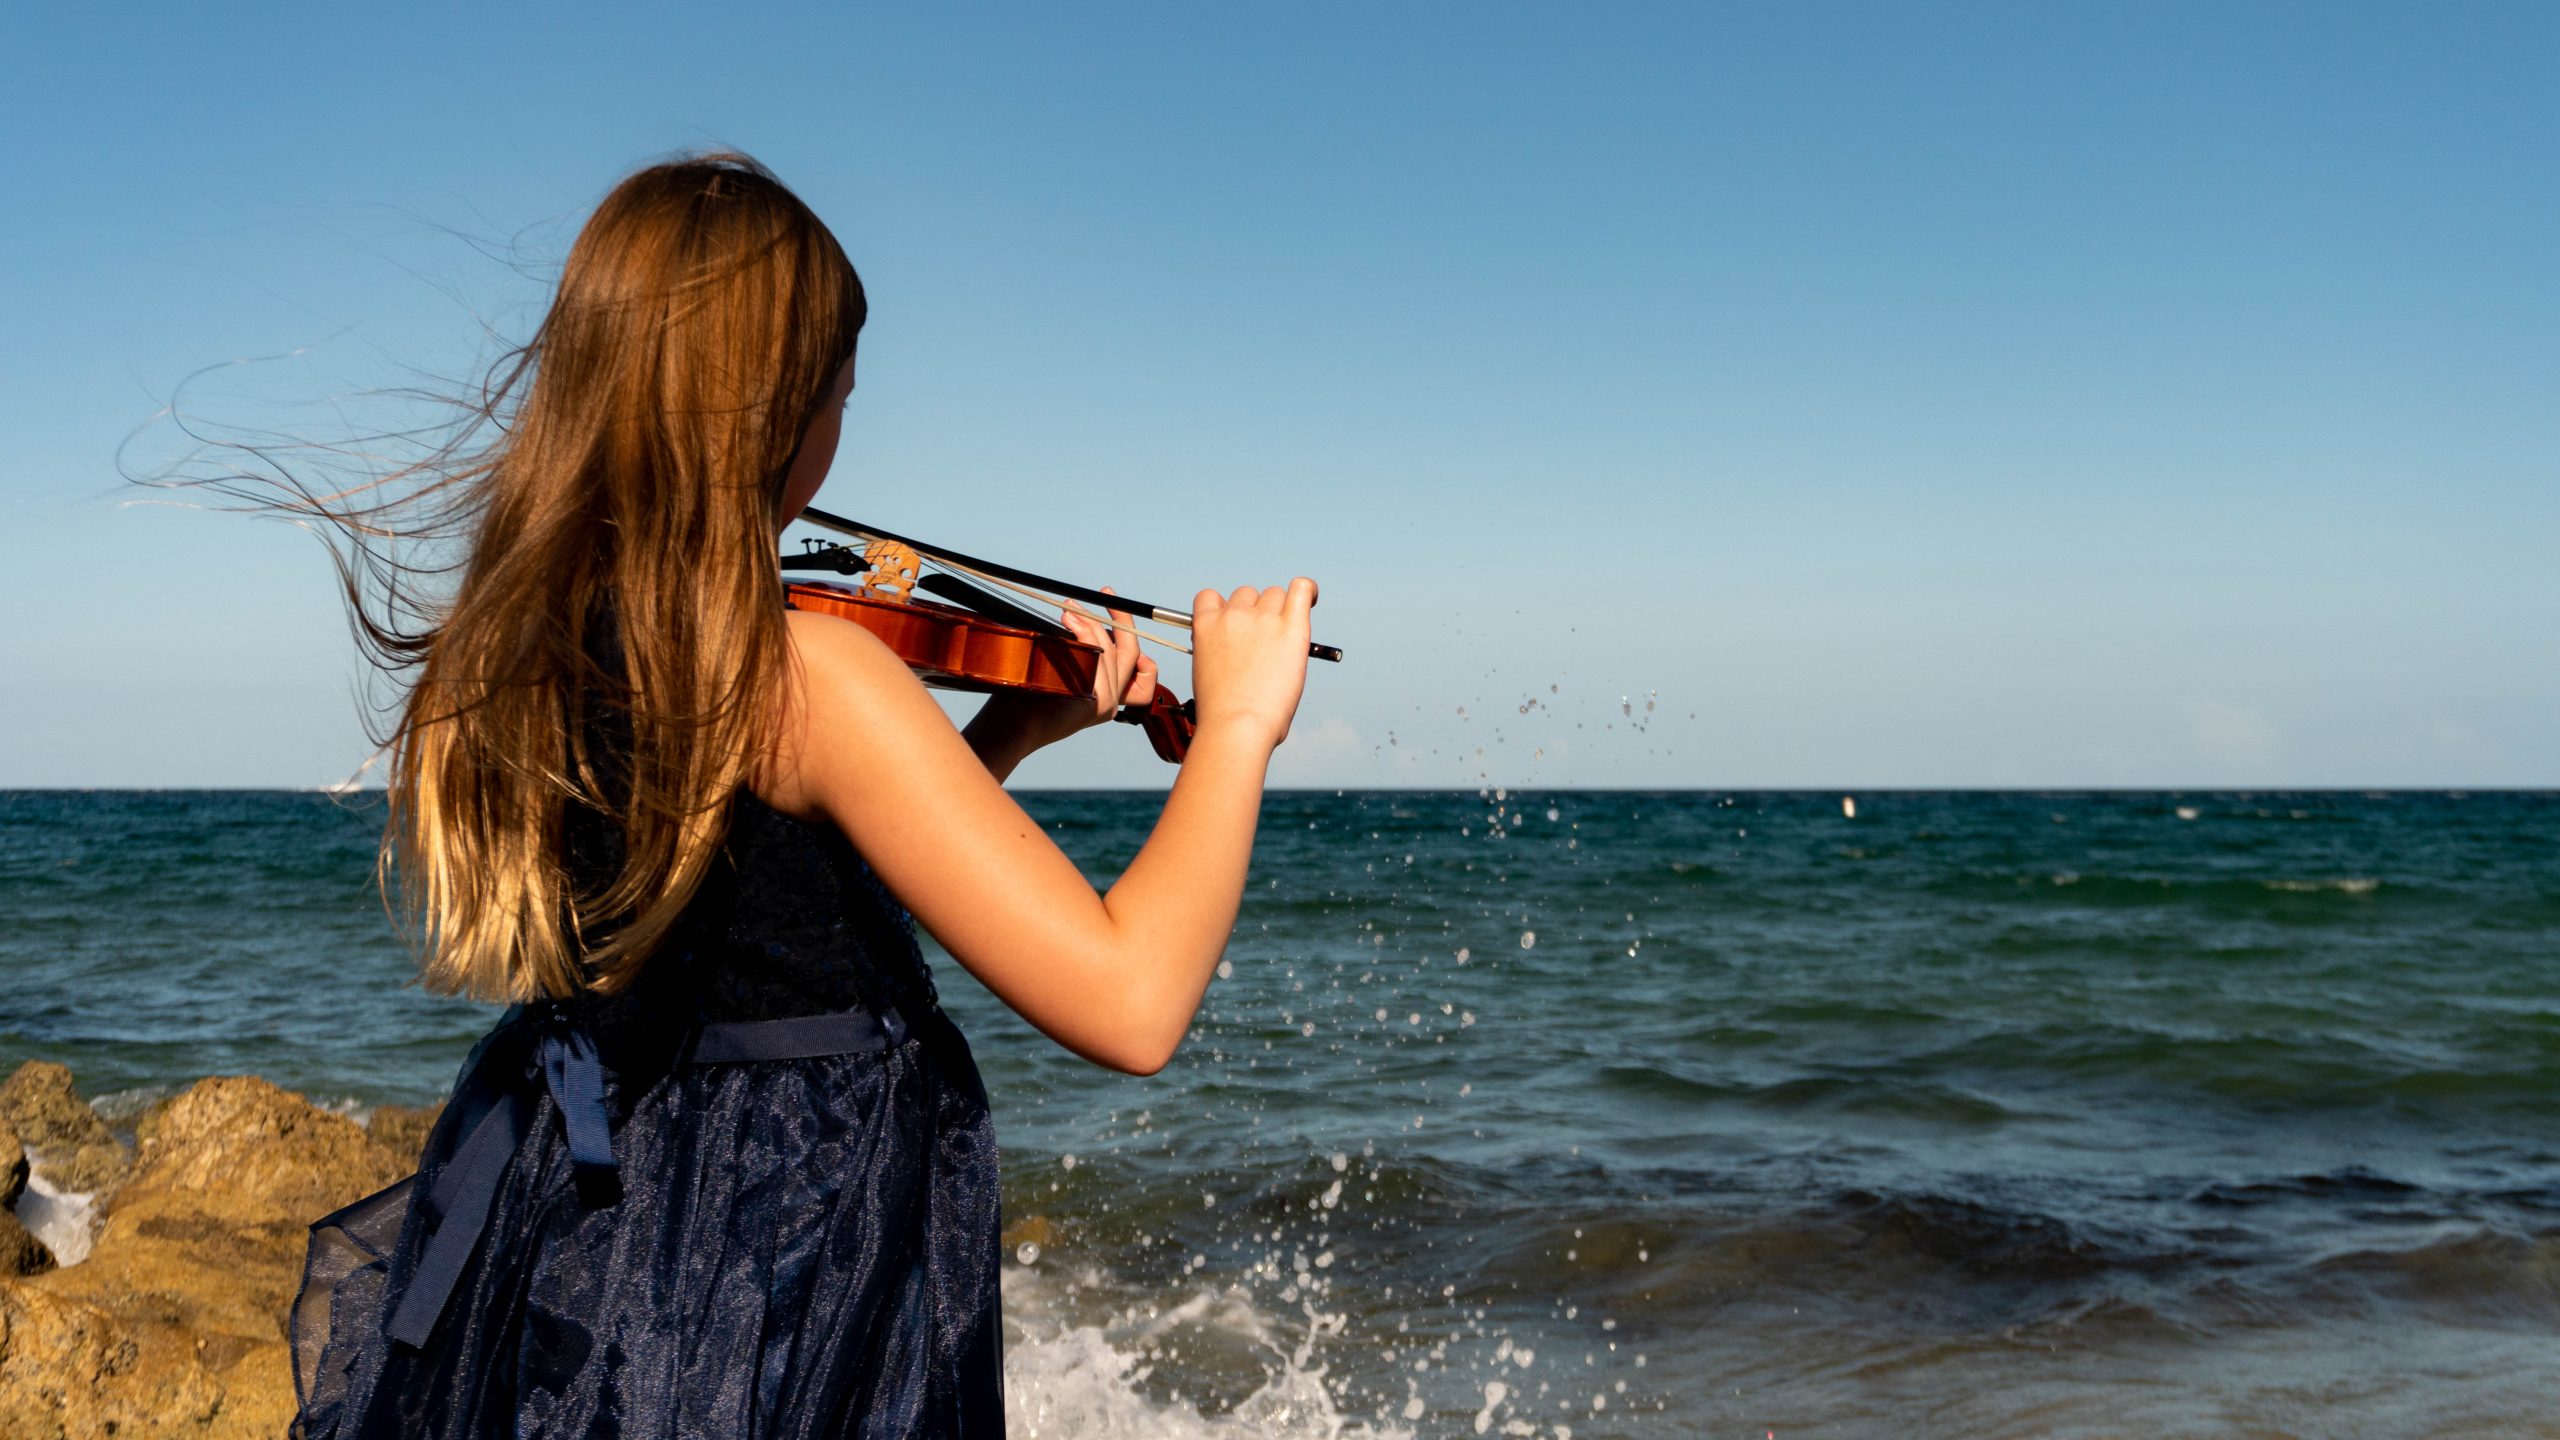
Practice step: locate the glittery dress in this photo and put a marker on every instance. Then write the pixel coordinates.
(792, 1247)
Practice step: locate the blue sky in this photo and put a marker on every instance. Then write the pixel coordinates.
(1952, 395)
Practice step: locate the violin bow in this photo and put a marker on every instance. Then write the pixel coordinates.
(970, 565)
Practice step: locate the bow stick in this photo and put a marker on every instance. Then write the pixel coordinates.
(1163, 615)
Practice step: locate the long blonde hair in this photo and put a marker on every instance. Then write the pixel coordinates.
(619, 475)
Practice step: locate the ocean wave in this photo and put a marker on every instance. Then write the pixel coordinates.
(2477, 1275)
(1846, 1095)
(1987, 1242)
(2352, 1183)
(2278, 898)
(2347, 885)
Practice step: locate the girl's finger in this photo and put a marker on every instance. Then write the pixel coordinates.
(1124, 636)
(1142, 684)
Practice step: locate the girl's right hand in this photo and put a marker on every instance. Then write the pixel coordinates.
(1249, 657)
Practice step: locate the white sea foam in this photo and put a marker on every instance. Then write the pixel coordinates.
(66, 1221)
(1068, 1376)
(2350, 885)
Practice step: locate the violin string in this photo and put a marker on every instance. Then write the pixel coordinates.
(983, 578)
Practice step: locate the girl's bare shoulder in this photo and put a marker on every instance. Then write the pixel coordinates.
(855, 708)
(829, 646)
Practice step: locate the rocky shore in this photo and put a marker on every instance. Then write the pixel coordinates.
(148, 1296)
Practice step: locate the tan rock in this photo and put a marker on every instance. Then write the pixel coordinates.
(1032, 1230)
(69, 1369)
(13, 1168)
(21, 1253)
(64, 1137)
(89, 1170)
(40, 1107)
(223, 1192)
(176, 1322)
(403, 1129)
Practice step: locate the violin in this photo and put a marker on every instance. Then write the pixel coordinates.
(970, 637)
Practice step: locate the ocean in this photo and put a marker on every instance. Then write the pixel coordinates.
(1602, 1114)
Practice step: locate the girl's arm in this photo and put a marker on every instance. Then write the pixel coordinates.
(1113, 977)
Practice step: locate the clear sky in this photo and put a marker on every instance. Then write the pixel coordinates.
(1901, 395)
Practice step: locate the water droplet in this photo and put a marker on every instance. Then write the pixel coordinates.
(1528, 938)
(1028, 1252)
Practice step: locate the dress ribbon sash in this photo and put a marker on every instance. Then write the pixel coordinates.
(574, 1075)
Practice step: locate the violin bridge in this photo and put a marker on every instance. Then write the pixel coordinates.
(894, 568)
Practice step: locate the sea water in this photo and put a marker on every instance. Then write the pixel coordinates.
(1633, 1114)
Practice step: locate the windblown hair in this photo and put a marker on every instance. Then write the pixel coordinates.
(616, 490)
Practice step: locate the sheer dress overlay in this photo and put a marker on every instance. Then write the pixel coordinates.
(792, 1247)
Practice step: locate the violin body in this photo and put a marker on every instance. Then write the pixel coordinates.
(951, 648)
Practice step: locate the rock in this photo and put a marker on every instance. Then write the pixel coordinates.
(40, 1107)
(89, 1170)
(403, 1129)
(176, 1322)
(21, 1253)
(69, 1369)
(69, 1143)
(1029, 1230)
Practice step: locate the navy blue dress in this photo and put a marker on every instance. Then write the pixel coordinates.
(753, 1196)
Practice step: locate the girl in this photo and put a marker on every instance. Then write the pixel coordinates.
(725, 1169)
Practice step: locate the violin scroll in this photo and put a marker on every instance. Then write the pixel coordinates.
(1169, 724)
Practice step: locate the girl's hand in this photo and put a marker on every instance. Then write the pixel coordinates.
(1249, 657)
(1013, 724)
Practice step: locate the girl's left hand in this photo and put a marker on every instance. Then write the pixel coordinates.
(1020, 723)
